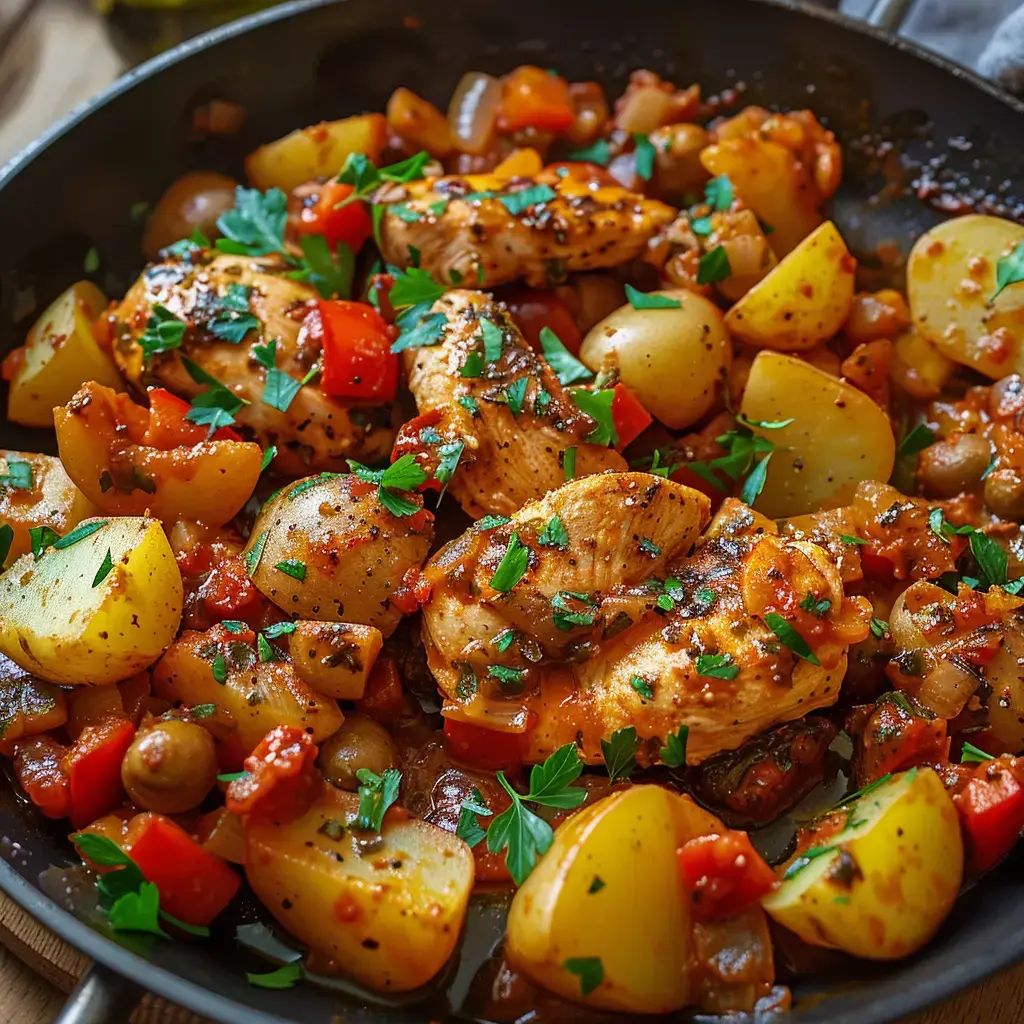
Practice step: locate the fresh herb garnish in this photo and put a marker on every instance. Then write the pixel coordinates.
(448, 454)
(566, 614)
(589, 969)
(790, 637)
(713, 266)
(79, 533)
(719, 193)
(6, 540)
(597, 152)
(717, 666)
(515, 395)
(233, 321)
(917, 439)
(879, 627)
(509, 679)
(642, 687)
(255, 225)
(286, 976)
(91, 263)
(567, 368)
(619, 753)
(468, 829)
(219, 668)
(554, 535)
(104, 570)
(1009, 270)
(216, 407)
(818, 608)
(805, 858)
(164, 332)
(19, 474)
(512, 567)
(648, 547)
(376, 794)
(673, 754)
(294, 568)
(598, 406)
(970, 754)
(650, 300)
(847, 539)
(517, 202)
(569, 463)
(645, 156)
(265, 649)
(404, 474)
(493, 339)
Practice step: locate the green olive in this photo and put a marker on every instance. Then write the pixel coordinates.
(953, 465)
(170, 767)
(1004, 493)
(359, 743)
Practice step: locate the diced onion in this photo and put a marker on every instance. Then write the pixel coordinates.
(643, 110)
(472, 111)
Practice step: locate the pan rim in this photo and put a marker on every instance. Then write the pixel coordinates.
(987, 961)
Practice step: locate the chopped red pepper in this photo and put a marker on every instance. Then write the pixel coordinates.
(534, 309)
(383, 700)
(195, 886)
(723, 873)
(877, 567)
(168, 427)
(229, 593)
(93, 766)
(991, 808)
(321, 215)
(894, 735)
(631, 418)
(356, 342)
(533, 98)
(280, 779)
(38, 767)
(484, 748)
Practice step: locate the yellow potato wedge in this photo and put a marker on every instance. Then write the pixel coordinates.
(674, 360)
(52, 500)
(218, 667)
(628, 840)
(318, 151)
(951, 278)
(335, 658)
(65, 621)
(59, 355)
(804, 301)
(887, 880)
(389, 918)
(919, 367)
(838, 436)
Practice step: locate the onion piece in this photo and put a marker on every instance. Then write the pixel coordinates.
(644, 109)
(473, 110)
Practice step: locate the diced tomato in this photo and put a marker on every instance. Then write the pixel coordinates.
(991, 808)
(631, 418)
(534, 309)
(280, 779)
(484, 748)
(351, 223)
(356, 342)
(895, 735)
(877, 567)
(532, 98)
(93, 766)
(168, 427)
(195, 886)
(229, 593)
(723, 873)
(38, 765)
(384, 699)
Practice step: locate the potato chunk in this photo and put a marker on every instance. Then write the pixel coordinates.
(59, 355)
(838, 436)
(335, 657)
(951, 278)
(65, 621)
(887, 880)
(803, 301)
(390, 917)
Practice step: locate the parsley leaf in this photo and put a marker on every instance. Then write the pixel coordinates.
(718, 193)
(419, 328)
(6, 540)
(80, 532)
(468, 828)
(554, 535)
(970, 754)
(805, 858)
(917, 439)
(255, 225)
(294, 568)
(673, 754)
(404, 474)
(551, 781)
(286, 976)
(589, 969)
(819, 609)
(645, 156)
(515, 395)
(491, 522)
(1009, 270)
(598, 406)
(991, 558)
(137, 911)
(847, 539)
(376, 794)
(509, 679)
(19, 474)
(596, 885)
(650, 300)
(713, 266)
(331, 275)
(448, 461)
(619, 753)
(512, 567)
(521, 833)
(493, 339)
(569, 463)
(233, 321)
(597, 152)
(717, 666)
(564, 614)
(754, 484)
(219, 668)
(414, 286)
(790, 637)
(879, 627)
(642, 687)
(568, 369)
(215, 407)
(517, 202)
(104, 570)
(164, 332)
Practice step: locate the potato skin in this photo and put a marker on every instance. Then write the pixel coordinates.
(354, 551)
(891, 880)
(56, 624)
(673, 360)
(803, 301)
(390, 919)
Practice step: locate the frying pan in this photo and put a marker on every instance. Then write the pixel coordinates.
(930, 125)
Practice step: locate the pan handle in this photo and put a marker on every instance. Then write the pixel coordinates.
(100, 997)
(889, 14)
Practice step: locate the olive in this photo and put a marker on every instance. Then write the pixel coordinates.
(170, 767)
(953, 465)
(1004, 494)
(194, 201)
(359, 743)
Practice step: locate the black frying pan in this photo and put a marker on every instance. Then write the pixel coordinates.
(317, 59)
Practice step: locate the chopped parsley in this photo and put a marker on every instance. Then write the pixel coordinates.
(713, 266)
(504, 640)
(255, 553)
(717, 666)
(569, 463)
(104, 570)
(879, 627)
(515, 395)
(596, 885)
(642, 687)
(376, 794)
(648, 547)
(1009, 270)
(805, 858)
(619, 753)
(265, 649)
(294, 568)
(286, 976)
(512, 567)
(916, 440)
(219, 668)
(790, 637)
(472, 809)
(554, 535)
(567, 368)
(79, 533)
(509, 679)
(719, 193)
(598, 152)
(18, 476)
(645, 156)
(598, 406)
(493, 339)
(233, 321)
(448, 454)
(650, 300)
(404, 474)
(970, 754)
(566, 613)
(216, 407)
(673, 754)
(589, 969)
(818, 608)
(517, 202)
(470, 404)
(164, 332)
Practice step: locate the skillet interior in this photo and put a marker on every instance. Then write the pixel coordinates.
(307, 61)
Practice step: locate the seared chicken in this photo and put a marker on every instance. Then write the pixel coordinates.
(619, 625)
(486, 232)
(509, 458)
(316, 432)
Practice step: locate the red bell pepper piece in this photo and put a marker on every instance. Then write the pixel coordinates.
(877, 567)
(534, 309)
(358, 361)
(532, 98)
(195, 886)
(991, 808)
(229, 593)
(484, 748)
(281, 775)
(93, 766)
(723, 873)
(321, 215)
(631, 418)
(168, 427)
(896, 734)
(383, 700)
(38, 767)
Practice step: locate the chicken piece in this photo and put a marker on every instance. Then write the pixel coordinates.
(473, 229)
(642, 621)
(508, 459)
(316, 432)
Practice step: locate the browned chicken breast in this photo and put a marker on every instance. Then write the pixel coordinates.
(486, 231)
(515, 444)
(612, 622)
(316, 432)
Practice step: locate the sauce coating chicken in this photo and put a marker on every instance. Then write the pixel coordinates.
(315, 432)
(484, 230)
(509, 458)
